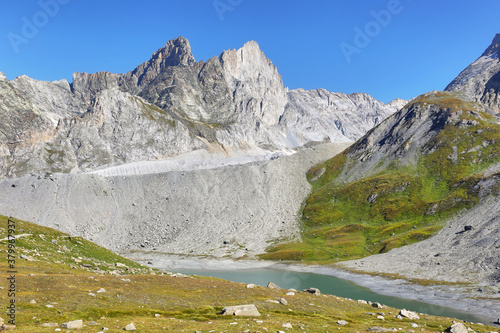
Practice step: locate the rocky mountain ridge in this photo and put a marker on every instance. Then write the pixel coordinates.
(420, 189)
(481, 79)
(231, 105)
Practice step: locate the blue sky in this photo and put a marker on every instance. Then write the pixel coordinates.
(387, 48)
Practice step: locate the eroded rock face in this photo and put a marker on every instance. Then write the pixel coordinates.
(233, 105)
(318, 115)
(481, 79)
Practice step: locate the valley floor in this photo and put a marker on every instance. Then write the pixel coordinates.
(462, 297)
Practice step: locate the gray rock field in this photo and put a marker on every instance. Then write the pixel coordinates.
(228, 211)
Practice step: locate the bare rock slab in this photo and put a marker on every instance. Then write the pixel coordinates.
(241, 310)
(75, 324)
(409, 314)
(457, 328)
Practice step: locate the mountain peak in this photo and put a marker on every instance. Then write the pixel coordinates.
(176, 52)
(493, 49)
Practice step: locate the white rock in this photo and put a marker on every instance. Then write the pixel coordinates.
(75, 324)
(241, 310)
(130, 327)
(409, 314)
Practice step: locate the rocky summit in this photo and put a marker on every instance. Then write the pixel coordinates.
(229, 106)
(481, 79)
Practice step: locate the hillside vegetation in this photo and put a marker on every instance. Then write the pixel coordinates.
(60, 278)
(399, 183)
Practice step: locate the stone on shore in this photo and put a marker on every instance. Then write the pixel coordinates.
(314, 291)
(272, 285)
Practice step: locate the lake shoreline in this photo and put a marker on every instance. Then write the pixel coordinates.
(452, 296)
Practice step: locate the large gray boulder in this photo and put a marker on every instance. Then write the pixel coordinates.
(75, 324)
(241, 310)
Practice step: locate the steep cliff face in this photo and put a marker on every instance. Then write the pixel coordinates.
(232, 105)
(318, 115)
(481, 79)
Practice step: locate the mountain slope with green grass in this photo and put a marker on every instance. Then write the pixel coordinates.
(60, 278)
(399, 183)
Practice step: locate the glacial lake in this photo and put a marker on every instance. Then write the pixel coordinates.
(329, 285)
(288, 277)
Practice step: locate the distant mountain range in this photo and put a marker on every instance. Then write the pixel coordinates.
(231, 105)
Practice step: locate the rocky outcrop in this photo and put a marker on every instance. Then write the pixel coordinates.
(481, 79)
(318, 115)
(231, 105)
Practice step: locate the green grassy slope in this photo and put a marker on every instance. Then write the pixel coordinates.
(61, 290)
(416, 185)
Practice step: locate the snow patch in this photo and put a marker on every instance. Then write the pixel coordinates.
(196, 160)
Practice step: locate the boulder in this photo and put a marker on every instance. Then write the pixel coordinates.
(342, 322)
(130, 327)
(377, 305)
(378, 329)
(273, 285)
(409, 314)
(7, 327)
(250, 286)
(283, 301)
(241, 310)
(75, 324)
(457, 328)
(314, 291)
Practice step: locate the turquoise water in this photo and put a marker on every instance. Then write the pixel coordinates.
(330, 285)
